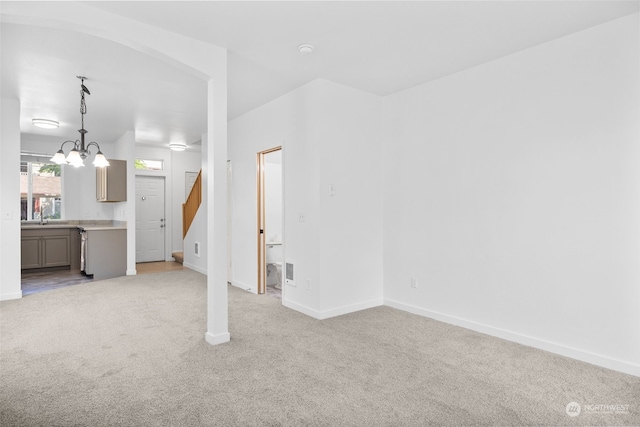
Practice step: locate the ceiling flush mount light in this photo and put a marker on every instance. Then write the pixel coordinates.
(305, 48)
(80, 151)
(178, 146)
(45, 123)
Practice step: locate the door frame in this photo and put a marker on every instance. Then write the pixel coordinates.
(260, 203)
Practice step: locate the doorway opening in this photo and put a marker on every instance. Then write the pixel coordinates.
(150, 220)
(270, 221)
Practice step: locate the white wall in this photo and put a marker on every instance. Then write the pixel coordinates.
(512, 195)
(273, 202)
(350, 160)
(196, 234)
(269, 126)
(329, 135)
(9, 199)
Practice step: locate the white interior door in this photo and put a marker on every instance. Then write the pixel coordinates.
(150, 220)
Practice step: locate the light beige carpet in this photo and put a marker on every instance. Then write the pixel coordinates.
(131, 352)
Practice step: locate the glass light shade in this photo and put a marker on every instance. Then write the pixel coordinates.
(178, 146)
(58, 158)
(74, 158)
(100, 161)
(45, 123)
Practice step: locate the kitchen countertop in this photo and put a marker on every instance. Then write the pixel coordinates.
(87, 225)
(102, 227)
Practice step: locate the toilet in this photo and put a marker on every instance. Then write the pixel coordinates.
(274, 264)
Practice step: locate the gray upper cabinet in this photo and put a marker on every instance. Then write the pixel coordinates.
(111, 182)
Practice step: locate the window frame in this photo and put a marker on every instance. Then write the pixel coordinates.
(30, 200)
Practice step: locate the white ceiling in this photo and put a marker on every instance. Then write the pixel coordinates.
(128, 90)
(376, 46)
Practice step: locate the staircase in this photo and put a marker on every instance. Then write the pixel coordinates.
(189, 209)
(178, 256)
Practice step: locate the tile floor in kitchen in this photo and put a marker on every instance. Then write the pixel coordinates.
(34, 282)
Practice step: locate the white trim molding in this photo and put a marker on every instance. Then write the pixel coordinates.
(244, 287)
(195, 268)
(13, 295)
(217, 339)
(563, 350)
(338, 311)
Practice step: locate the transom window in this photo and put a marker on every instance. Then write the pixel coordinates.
(149, 165)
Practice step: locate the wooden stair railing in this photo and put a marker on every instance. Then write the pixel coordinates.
(190, 207)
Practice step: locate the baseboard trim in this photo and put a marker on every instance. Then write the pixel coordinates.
(334, 312)
(563, 350)
(301, 308)
(244, 286)
(13, 295)
(217, 338)
(195, 267)
(352, 308)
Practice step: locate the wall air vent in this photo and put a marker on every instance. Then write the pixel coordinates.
(289, 274)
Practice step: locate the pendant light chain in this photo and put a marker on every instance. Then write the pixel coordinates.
(80, 151)
(83, 105)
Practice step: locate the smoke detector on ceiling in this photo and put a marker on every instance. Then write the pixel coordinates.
(305, 48)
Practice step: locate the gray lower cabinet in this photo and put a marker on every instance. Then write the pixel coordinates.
(46, 248)
(31, 252)
(106, 253)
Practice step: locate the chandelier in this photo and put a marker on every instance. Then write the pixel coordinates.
(80, 151)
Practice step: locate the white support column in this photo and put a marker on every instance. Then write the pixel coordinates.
(10, 287)
(215, 180)
(124, 149)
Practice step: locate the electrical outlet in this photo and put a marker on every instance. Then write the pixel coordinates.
(301, 217)
(196, 249)
(414, 282)
(308, 283)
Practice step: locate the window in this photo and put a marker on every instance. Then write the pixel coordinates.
(149, 165)
(40, 191)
